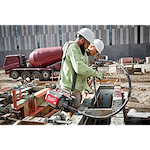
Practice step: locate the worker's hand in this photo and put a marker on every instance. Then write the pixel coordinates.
(99, 75)
(90, 91)
(94, 66)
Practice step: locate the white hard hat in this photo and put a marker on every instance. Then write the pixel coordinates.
(87, 34)
(99, 45)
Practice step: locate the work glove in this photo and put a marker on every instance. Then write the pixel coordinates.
(90, 91)
(99, 75)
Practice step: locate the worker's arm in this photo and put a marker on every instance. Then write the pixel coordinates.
(78, 63)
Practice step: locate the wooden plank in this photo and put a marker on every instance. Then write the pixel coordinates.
(127, 60)
(44, 104)
(23, 90)
(51, 113)
(33, 121)
(5, 89)
(26, 108)
(40, 97)
(44, 82)
(20, 103)
(76, 119)
(18, 122)
(2, 122)
(107, 81)
(37, 88)
(36, 119)
(28, 118)
(43, 112)
(41, 92)
(98, 111)
(40, 100)
(37, 111)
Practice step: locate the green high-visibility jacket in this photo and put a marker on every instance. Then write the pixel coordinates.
(75, 61)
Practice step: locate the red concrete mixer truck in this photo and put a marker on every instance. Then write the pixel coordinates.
(42, 64)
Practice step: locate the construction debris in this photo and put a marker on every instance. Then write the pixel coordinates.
(22, 104)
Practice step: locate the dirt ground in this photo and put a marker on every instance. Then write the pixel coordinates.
(139, 95)
(5, 81)
(140, 84)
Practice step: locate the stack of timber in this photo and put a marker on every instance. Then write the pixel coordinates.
(25, 102)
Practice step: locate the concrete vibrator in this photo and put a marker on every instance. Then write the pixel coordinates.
(62, 99)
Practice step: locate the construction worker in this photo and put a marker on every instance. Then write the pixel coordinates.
(76, 60)
(95, 48)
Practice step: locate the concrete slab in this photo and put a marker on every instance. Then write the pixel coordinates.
(135, 114)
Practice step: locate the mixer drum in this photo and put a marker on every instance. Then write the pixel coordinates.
(43, 57)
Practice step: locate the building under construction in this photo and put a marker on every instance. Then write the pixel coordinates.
(121, 39)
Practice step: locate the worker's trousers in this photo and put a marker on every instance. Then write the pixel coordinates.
(78, 98)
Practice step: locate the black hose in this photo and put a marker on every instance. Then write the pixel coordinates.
(96, 100)
(123, 105)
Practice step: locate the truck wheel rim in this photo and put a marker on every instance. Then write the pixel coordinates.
(35, 76)
(14, 75)
(45, 75)
(25, 76)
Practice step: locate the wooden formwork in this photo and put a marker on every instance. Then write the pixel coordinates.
(31, 120)
(36, 110)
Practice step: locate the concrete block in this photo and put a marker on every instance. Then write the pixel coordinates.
(147, 60)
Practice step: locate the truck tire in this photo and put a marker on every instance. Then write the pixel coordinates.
(46, 75)
(36, 75)
(14, 74)
(25, 74)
